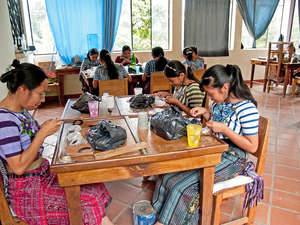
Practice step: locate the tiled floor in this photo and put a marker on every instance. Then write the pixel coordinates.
(281, 205)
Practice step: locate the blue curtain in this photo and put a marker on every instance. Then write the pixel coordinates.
(257, 15)
(71, 21)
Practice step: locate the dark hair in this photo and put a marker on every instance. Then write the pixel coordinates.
(174, 68)
(92, 51)
(110, 66)
(188, 52)
(162, 61)
(217, 75)
(126, 48)
(26, 74)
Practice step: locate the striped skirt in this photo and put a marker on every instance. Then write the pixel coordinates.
(176, 195)
(39, 200)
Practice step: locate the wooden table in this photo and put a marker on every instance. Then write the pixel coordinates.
(162, 156)
(60, 73)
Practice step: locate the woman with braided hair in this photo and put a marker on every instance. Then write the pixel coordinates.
(233, 118)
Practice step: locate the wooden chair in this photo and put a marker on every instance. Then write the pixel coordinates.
(159, 82)
(116, 87)
(6, 217)
(53, 84)
(199, 73)
(237, 186)
(296, 80)
(278, 53)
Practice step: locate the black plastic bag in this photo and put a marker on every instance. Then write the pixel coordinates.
(170, 124)
(141, 101)
(106, 136)
(82, 102)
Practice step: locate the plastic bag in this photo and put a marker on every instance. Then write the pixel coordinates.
(82, 102)
(106, 136)
(141, 101)
(170, 124)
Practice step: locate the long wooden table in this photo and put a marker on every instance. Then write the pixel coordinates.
(162, 157)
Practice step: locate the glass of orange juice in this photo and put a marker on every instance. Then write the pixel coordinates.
(193, 134)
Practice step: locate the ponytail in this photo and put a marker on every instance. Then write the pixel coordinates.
(110, 66)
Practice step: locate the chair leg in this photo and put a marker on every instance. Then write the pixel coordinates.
(294, 87)
(217, 209)
(251, 215)
(268, 86)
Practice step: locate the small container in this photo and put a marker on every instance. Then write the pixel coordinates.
(93, 108)
(138, 90)
(143, 213)
(193, 134)
(103, 108)
(143, 120)
(137, 69)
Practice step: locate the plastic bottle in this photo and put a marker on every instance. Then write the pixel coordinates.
(133, 60)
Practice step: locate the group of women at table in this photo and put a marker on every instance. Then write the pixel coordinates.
(33, 191)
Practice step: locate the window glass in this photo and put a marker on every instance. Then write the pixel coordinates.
(295, 34)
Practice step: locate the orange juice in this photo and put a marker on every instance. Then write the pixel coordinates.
(193, 134)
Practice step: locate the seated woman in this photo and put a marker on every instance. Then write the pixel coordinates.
(158, 63)
(194, 61)
(187, 93)
(108, 69)
(90, 61)
(234, 119)
(34, 193)
(125, 58)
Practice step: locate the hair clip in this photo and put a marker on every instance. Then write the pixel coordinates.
(171, 68)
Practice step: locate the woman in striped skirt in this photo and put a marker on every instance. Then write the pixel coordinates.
(187, 93)
(233, 118)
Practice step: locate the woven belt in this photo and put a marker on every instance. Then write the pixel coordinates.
(34, 165)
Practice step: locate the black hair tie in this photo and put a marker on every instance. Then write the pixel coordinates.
(77, 122)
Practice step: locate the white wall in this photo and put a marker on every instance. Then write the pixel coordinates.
(6, 44)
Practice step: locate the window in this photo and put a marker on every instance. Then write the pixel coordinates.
(295, 33)
(143, 25)
(37, 27)
(277, 26)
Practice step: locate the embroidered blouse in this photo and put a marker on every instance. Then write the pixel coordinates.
(17, 131)
(102, 74)
(195, 65)
(87, 64)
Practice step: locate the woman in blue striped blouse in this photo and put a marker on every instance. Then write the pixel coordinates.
(233, 118)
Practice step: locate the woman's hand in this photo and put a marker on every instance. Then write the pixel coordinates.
(162, 94)
(128, 77)
(126, 61)
(217, 127)
(172, 101)
(198, 111)
(50, 127)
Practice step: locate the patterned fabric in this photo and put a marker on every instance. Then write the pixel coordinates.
(101, 72)
(241, 117)
(150, 67)
(87, 64)
(40, 200)
(195, 65)
(17, 130)
(176, 195)
(189, 95)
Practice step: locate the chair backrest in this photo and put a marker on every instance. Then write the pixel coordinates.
(199, 73)
(116, 87)
(263, 135)
(159, 82)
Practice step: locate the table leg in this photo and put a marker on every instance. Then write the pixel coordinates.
(207, 177)
(74, 205)
(252, 74)
(61, 89)
(286, 78)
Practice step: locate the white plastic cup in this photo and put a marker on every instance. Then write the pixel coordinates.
(110, 100)
(143, 120)
(137, 69)
(103, 108)
(93, 108)
(138, 90)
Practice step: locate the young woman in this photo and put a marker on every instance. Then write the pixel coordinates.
(158, 63)
(194, 61)
(187, 93)
(90, 61)
(234, 118)
(108, 69)
(125, 58)
(34, 193)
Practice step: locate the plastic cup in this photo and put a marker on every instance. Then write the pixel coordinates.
(193, 134)
(137, 69)
(138, 90)
(143, 120)
(110, 100)
(93, 108)
(103, 108)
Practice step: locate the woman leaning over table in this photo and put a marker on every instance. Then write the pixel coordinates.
(234, 118)
(187, 93)
(194, 61)
(33, 191)
(108, 69)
